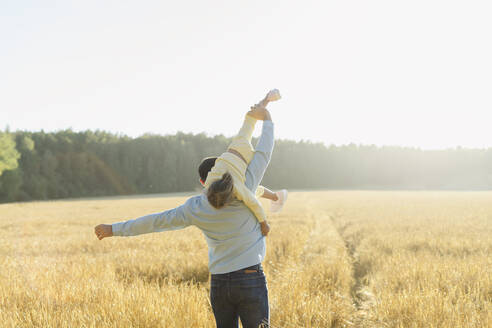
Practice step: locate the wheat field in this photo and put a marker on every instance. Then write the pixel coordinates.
(334, 259)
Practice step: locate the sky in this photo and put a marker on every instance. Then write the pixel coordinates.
(408, 73)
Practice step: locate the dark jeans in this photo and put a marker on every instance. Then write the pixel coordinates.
(240, 294)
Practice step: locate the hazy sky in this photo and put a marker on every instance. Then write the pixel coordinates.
(413, 73)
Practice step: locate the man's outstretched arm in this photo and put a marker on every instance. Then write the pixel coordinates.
(173, 219)
(263, 153)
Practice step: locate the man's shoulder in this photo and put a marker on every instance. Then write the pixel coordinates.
(194, 200)
(198, 206)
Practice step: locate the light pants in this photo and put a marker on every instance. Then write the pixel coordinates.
(229, 162)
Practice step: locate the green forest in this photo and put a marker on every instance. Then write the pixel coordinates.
(67, 164)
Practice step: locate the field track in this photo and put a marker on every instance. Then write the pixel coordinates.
(334, 259)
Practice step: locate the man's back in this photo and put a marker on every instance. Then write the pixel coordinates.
(233, 234)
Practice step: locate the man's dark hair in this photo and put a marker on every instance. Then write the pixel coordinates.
(205, 167)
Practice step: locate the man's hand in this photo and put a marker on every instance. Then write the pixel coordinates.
(103, 231)
(260, 113)
(265, 228)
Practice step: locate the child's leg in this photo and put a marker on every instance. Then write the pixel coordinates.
(268, 194)
(242, 141)
(263, 103)
(272, 95)
(259, 191)
(246, 132)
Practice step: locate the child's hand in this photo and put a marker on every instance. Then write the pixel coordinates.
(103, 231)
(265, 228)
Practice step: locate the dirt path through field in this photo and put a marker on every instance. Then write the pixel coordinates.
(314, 279)
(362, 297)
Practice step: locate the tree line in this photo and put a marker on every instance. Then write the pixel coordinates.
(66, 164)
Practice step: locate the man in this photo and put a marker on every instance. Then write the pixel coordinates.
(236, 245)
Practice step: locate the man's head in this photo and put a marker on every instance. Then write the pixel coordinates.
(205, 167)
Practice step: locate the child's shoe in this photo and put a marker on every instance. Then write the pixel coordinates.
(273, 95)
(276, 206)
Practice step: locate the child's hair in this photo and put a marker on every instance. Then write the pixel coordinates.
(205, 167)
(220, 192)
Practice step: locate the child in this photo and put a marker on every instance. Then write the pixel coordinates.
(227, 176)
